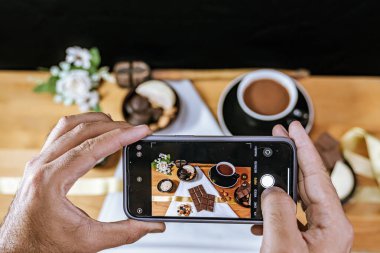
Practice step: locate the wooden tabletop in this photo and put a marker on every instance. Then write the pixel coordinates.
(340, 103)
(159, 208)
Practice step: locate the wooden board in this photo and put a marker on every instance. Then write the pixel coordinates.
(340, 102)
(160, 208)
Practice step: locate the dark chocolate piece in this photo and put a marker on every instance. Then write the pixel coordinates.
(202, 200)
(326, 142)
(180, 163)
(243, 193)
(130, 74)
(156, 114)
(139, 104)
(138, 119)
(329, 150)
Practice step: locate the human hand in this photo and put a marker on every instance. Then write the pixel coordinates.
(328, 228)
(42, 219)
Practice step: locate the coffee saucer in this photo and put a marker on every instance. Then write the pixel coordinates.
(218, 180)
(234, 121)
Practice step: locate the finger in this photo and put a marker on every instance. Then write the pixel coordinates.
(76, 136)
(257, 230)
(77, 161)
(109, 235)
(315, 184)
(279, 130)
(67, 123)
(280, 222)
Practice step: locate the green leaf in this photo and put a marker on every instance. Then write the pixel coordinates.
(48, 86)
(97, 108)
(43, 87)
(95, 57)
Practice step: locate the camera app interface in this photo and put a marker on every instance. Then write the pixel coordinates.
(211, 179)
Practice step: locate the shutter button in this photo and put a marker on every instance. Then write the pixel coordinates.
(267, 181)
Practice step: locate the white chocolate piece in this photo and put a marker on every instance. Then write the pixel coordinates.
(158, 93)
(343, 179)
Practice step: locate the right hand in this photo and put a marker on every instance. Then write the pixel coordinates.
(328, 228)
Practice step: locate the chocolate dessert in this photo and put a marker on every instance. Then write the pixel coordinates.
(153, 103)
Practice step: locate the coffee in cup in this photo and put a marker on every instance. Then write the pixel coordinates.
(267, 94)
(226, 169)
(257, 93)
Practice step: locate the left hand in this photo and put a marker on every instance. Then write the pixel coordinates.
(41, 217)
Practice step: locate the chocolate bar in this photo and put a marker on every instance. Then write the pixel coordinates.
(329, 150)
(202, 200)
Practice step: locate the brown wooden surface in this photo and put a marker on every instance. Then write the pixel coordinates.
(340, 103)
(160, 208)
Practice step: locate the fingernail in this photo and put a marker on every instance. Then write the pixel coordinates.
(295, 122)
(282, 128)
(142, 127)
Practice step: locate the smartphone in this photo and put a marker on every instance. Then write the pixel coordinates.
(205, 178)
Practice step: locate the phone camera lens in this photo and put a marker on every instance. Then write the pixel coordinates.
(139, 179)
(139, 154)
(268, 152)
(139, 210)
(138, 147)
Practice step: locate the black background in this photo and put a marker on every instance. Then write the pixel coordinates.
(327, 37)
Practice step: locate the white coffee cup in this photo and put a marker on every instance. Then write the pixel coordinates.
(279, 78)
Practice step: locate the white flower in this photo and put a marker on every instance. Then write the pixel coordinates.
(75, 85)
(105, 74)
(93, 99)
(58, 99)
(95, 78)
(84, 107)
(68, 101)
(65, 66)
(54, 71)
(78, 56)
(162, 167)
(89, 101)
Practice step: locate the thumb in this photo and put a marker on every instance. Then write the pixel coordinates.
(280, 222)
(113, 234)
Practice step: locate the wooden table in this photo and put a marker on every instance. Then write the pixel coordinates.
(340, 103)
(159, 208)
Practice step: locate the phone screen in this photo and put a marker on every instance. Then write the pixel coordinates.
(205, 179)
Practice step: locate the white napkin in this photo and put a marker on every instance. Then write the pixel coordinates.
(194, 118)
(220, 209)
